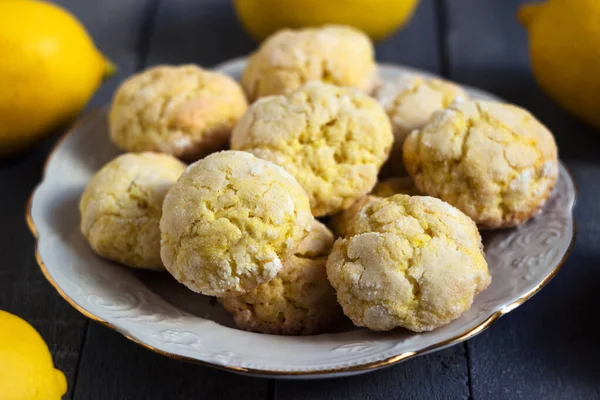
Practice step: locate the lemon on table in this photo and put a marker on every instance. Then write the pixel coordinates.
(377, 18)
(564, 38)
(26, 369)
(49, 68)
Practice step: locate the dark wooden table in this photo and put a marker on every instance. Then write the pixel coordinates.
(547, 349)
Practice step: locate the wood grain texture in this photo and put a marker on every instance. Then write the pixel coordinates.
(416, 45)
(112, 367)
(204, 32)
(441, 375)
(545, 349)
(23, 289)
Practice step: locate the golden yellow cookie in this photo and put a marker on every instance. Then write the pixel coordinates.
(122, 204)
(332, 140)
(339, 55)
(409, 261)
(493, 161)
(230, 221)
(410, 101)
(183, 110)
(386, 188)
(299, 300)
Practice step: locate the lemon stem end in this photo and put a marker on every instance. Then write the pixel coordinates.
(110, 68)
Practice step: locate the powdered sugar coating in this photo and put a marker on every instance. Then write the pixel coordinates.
(226, 228)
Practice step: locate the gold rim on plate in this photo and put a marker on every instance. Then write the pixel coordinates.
(252, 371)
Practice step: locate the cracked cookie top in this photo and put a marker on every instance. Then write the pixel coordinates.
(183, 110)
(414, 262)
(385, 188)
(339, 55)
(410, 101)
(299, 300)
(493, 161)
(121, 207)
(332, 140)
(230, 222)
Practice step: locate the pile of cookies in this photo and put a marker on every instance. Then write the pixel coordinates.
(310, 130)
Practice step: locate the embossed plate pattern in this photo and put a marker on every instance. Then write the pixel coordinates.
(158, 313)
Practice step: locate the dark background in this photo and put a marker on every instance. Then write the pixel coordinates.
(546, 349)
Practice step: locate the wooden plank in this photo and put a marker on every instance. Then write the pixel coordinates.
(23, 289)
(545, 349)
(441, 375)
(112, 367)
(416, 45)
(203, 32)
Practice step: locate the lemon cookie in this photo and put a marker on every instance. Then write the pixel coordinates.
(121, 207)
(386, 188)
(183, 110)
(333, 140)
(493, 161)
(230, 221)
(410, 101)
(299, 301)
(408, 261)
(339, 55)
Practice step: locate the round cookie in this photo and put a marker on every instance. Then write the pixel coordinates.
(183, 110)
(333, 140)
(122, 204)
(386, 188)
(493, 161)
(230, 221)
(408, 261)
(299, 300)
(410, 101)
(339, 55)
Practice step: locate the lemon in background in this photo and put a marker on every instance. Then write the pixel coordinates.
(49, 68)
(377, 18)
(564, 43)
(26, 369)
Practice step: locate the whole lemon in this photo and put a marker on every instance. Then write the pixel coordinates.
(377, 18)
(26, 369)
(49, 68)
(564, 43)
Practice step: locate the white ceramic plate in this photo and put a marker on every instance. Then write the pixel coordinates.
(158, 313)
